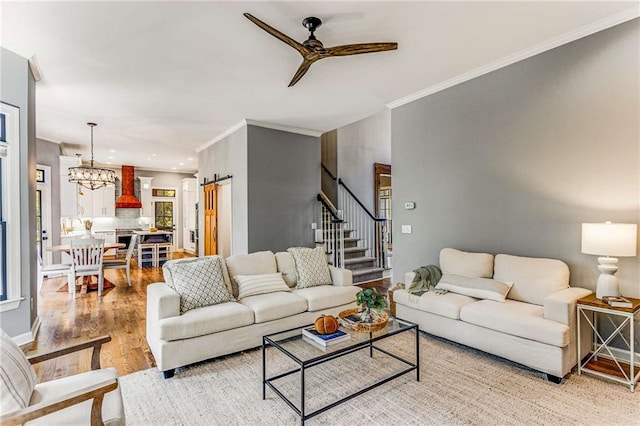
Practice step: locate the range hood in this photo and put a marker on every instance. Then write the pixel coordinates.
(128, 200)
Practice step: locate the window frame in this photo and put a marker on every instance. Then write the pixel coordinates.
(11, 209)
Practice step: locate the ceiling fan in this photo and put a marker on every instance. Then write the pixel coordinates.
(312, 49)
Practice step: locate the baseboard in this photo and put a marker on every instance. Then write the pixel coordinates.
(30, 336)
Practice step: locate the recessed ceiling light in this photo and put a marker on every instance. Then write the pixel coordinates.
(108, 162)
(182, 164)
(153, 155)
(173, 168)
(148, 159)
(113, 150)
(190, 159)
(110, 157)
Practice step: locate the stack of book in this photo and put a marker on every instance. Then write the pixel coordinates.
(617, 301)
(324, 340)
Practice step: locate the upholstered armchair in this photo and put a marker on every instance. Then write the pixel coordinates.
(92, 397)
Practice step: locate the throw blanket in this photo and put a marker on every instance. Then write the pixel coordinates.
(426, 279)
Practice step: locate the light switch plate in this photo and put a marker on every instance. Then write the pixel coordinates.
(409, 205)
(314, 226)
(406, 229)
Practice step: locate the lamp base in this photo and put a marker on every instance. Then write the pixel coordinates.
(607, 281)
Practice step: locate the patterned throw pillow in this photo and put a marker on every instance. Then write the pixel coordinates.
(311, 266)
(250, 285)
(17, 378)
(198, 281)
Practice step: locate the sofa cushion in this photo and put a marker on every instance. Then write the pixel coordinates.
(311, 266)
(447, 305)
(260, 262)
(250, 285)
(480, 288)
(206, 320)
(273, 306)
(517, 319)
(327, 296)
(199, 282)
(287, 266)
(17, 378)
(533, 278)
(475, 265)
(166, 271)
(79, 414)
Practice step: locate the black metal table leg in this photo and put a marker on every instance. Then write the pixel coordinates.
(302, 395)
(264, 371)
(417, 354)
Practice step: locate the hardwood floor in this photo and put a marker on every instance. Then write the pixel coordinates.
(120, 312)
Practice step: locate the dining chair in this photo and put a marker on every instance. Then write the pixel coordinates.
(87, 255)
(56, 268)
(123, 263)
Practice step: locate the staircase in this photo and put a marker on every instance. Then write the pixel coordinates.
(344, 246)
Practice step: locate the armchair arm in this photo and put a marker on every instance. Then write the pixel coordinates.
(96, 344)
(561, 305)
(95, 392)
(408, 278)
(341, 277)
(162, 302)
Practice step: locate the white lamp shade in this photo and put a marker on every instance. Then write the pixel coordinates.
(610, 239)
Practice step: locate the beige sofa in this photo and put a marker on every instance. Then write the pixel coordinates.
(534, 326)
(177, 340)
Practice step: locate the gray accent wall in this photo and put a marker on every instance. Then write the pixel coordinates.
(514, 161)
(229, 157)
(17, 88)
(284, 180)
(48, 154)
(360, 145)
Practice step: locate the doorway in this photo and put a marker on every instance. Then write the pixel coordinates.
(164, 213)
(43, 212)
(210, 209)
(382, 193)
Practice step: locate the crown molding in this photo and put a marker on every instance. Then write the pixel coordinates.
(239, 125)
(248, 122)
(584, 31)
(285, 128)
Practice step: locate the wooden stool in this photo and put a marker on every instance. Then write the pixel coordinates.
(164, 252)
(147, 253)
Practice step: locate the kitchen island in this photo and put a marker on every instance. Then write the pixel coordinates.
(154, 247)
(149, 237)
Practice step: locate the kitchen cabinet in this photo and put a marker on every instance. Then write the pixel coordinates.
(68, 191)
(189, 200)
(146, 198)
(97, 203)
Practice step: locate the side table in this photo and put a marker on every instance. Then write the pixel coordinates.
(601, 361)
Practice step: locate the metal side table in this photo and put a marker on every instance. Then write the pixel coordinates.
(601, 360)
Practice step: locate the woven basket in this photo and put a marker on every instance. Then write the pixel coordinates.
(380, 321)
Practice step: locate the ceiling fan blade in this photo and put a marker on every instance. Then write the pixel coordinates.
(357, 49)
(302, 70)
(277, 34)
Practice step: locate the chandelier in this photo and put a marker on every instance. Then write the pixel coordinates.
(92, 177)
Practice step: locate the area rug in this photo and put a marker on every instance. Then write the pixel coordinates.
(458, 385)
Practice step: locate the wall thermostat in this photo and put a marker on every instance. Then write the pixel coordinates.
(410, 205)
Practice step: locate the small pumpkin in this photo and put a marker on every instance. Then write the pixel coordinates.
(326, 324)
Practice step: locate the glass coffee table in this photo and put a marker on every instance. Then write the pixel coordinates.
(307, 354)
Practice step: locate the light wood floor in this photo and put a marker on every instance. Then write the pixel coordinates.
(120, 312)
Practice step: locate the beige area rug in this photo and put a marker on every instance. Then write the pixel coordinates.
(458, 385)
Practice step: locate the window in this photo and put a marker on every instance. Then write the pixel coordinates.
(164, 215)
(9, 207)
(164, 193)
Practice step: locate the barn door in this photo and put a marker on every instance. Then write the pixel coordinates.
(210, 219)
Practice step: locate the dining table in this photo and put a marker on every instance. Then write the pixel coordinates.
(88, 285)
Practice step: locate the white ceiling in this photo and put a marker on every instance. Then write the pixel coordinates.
(163, 78)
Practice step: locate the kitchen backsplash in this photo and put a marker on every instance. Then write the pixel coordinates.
(108, 223)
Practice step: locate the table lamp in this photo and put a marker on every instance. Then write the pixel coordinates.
(609, 239)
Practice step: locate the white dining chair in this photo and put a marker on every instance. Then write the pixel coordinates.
(54, 269)
(87, 255)
(123, 263)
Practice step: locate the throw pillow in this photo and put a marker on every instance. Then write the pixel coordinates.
(467, 264)
(199, 282)
(480, 288)
(287, 266)
(311, 266)
(250, 285)
(17, 378)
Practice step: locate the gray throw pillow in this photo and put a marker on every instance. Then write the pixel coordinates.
(198, 281)
(311, 266)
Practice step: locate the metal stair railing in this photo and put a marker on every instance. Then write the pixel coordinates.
(369, 229)
(332, 227)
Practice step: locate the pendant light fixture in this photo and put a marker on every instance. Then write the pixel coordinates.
(92, 177)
